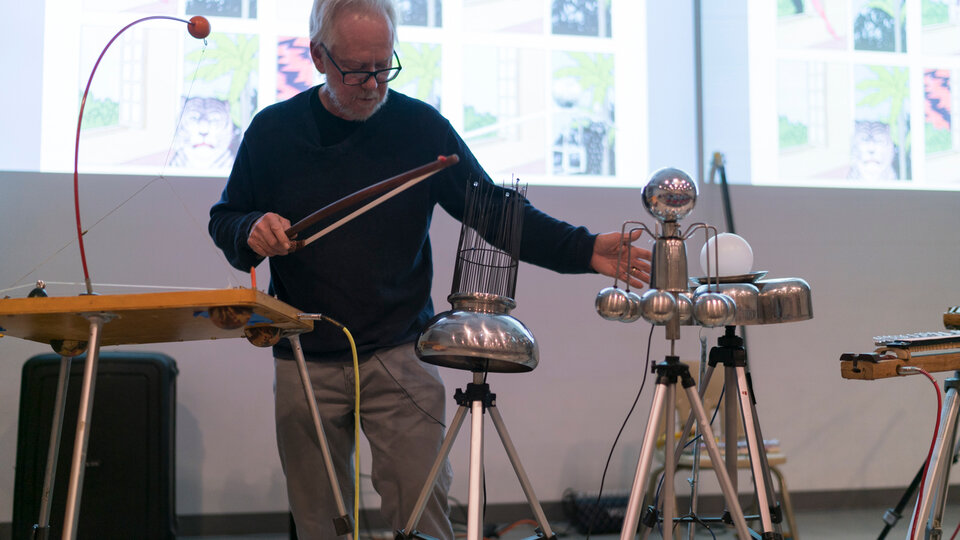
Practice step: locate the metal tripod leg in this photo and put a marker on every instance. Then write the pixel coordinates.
(660, 405)
(762, 479)
(478, 397)
(342, 524)
(538, 513)
(71, 516)
(933, 498)
(41, 530)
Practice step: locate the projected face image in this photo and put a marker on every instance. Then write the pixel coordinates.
(361, 42)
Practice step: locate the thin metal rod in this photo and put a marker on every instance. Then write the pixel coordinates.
(475, 490)
(538, 512)
(318, 426)
(668, 494)
(755, 449)
(934, 483)
(53, 449)
(71, 516)
(733, 505)
(731, 421)
(631, 518)
(435, 470)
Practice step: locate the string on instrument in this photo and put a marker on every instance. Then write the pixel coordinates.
(489, 248)
(109, 285)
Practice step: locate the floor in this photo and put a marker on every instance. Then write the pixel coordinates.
(863, 524)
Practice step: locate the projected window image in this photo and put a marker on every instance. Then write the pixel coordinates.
(530, 86)
(861, 95)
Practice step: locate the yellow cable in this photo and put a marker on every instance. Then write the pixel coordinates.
(356, 435)
(356, 426)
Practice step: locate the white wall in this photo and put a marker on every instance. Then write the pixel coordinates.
(878, 263)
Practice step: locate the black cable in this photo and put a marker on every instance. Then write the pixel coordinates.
(721, 168)
(606, 466)
(404, 390)
(724, 192)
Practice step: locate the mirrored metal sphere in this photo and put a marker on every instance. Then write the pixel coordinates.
(685, 308)
(714, 309)
(744, 296)
(670, 194)
(632, 313)
(658, 306)
(611, 303)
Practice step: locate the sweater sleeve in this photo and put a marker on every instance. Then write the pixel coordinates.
(546, 241)
(234, 214)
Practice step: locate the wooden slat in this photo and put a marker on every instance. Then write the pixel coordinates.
(871, 366)
(142, 318)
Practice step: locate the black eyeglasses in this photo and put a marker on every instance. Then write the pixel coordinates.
(358, 78)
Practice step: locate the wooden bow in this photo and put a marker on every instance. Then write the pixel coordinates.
(392, 186)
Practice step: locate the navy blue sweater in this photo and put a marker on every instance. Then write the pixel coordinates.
(374, 273)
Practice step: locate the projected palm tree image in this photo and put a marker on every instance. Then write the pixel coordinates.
(219, 101)
(420, 76)
(883, 123)
(584, 133)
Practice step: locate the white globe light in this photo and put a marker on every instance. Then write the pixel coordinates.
(736, 256)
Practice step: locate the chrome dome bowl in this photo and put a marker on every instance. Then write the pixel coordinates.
(478, 334)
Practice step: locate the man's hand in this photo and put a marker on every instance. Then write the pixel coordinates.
(634, 262)
(267, 237)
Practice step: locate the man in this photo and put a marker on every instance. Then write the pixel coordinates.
(374, 273)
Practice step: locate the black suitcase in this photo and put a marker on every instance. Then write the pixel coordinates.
(128, 485)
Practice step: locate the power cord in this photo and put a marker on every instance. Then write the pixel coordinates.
(606, 466)
(356, 423)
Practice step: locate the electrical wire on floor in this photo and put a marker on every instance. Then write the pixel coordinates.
(633, 407)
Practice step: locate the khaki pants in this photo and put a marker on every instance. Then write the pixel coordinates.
(402, 406)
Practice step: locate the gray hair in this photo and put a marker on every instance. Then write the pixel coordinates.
(325, 11)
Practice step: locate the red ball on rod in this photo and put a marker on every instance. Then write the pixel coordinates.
(199, 27)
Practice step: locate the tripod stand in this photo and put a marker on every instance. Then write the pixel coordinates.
(731, 353)
(476, 399)
(664, 399)
(930, 505)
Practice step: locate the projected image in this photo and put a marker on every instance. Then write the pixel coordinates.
(119, 127)
(504, 16)
(880, 26)
(529, 85)
(880, 146)
(223, 8)
(419, 12)
(218, 100)
(420, 77)
(505, 110)
(812, 25)
(940, 27)
(849, 96)
(295, 69)
(581, 17)
(583, 114)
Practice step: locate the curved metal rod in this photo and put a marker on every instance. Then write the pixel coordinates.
(199, 28)
(400, 181)
(627, 234)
